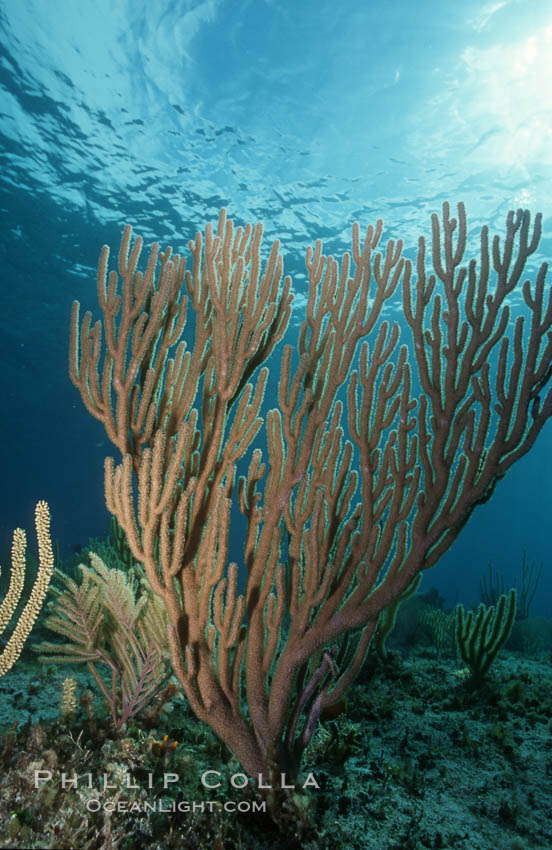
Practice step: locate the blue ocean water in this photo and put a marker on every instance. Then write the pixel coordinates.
(306, 115)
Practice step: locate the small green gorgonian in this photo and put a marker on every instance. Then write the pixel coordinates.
(111, 621)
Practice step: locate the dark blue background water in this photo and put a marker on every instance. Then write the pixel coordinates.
(307, 115)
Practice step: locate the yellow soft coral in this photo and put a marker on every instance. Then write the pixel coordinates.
(30, 612)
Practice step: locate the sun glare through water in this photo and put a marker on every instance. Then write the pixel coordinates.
(515, 99)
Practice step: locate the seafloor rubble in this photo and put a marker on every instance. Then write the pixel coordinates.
(416, 758)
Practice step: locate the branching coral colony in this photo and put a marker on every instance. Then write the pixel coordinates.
(337, 528)
(30, 612)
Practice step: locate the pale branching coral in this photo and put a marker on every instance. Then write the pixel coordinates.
(68, 700)
(14, 646)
